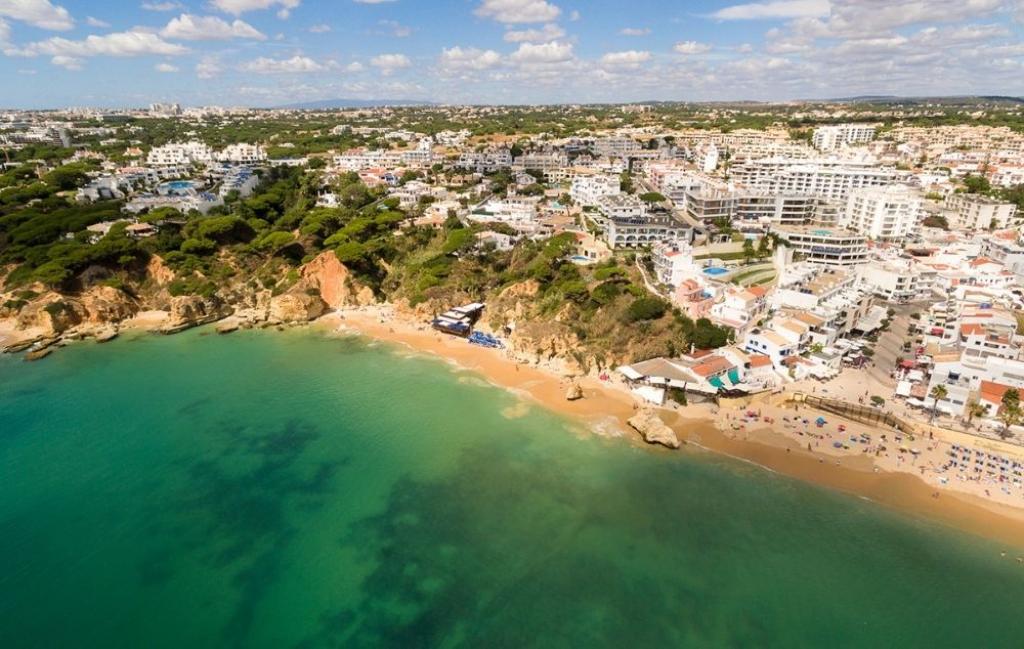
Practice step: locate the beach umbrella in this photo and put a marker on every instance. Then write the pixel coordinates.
(821, 421)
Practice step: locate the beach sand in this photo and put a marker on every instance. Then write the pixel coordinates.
(608, 404)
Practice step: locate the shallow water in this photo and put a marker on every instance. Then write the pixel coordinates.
(297, 490)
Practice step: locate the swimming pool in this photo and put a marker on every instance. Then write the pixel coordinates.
(179, 184)
(715, 271)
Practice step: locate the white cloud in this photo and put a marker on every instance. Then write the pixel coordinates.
(294, 65)
(542, 54)
(96, 22)
(320, 29)
(691, 47)
(354, 66)
(131, 43)
(396, 29)
(165, 67)
(38, 13)
(388, 63)
(774, 10)
(208, 68)
(238, 7)
(5, 33)
(546, 33)
(208, 28)
(67, 62)
(469, 58)
(162, 6)
(627, 59)
(518, 11)
(868, 17)
(635, 31)
(574, 16)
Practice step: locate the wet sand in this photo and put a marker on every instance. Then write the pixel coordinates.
(607, 405)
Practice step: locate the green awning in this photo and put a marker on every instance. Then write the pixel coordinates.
(734, 376)
(717, 382)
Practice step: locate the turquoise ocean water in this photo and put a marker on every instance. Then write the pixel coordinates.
(296, 490)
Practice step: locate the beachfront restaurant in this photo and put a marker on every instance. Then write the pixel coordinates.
(651, 379)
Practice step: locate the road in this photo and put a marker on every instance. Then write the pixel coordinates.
(889, 348)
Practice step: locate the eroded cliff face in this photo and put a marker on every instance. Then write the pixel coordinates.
(324, 283)
(335, 283)
(52, 313)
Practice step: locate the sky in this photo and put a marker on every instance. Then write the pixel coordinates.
(126, 53)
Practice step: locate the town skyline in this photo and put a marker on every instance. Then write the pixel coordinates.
(267, 53)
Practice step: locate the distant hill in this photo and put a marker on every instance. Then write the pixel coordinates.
(956, 100)
(329, 104)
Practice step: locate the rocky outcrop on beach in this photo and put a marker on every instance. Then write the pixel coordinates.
(296, 306)
(575, 392)
(54, 314)
(188, 311)
(653, 429)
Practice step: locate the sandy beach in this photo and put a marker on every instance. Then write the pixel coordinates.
(893, 479)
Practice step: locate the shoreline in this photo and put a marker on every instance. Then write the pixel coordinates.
(607, 405)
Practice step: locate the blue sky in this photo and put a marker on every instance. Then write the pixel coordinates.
(271, 52)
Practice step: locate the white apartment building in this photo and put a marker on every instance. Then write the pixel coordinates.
(242, 153)
(621, 206)
(748, 207)
(826, 246)
(977, 212)
(829, 138)
(180, 153)
(897, 280)
(586, 190)
(616, 146)
(891, 213)
(706, 157)
(485, 162)
(547, 163)
(829, 179)
(673, 262)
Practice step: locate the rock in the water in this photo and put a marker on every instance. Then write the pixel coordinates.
(653, 429)
(227, 326)
(106, 336)
(38, 354)
(574, 392)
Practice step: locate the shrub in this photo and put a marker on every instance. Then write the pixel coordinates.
(646, 308)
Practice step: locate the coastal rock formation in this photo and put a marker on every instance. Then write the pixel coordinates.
(105, 304)
(335, 283)
(157, 271)
(296, 307)
(653, 429)
(51, 314)
(574, 392)
(192, 310)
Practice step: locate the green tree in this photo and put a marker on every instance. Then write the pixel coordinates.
(748, 250)
(974, 409)
(938, 393)
(1009, 412)
(646, 308)
(976, 184)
